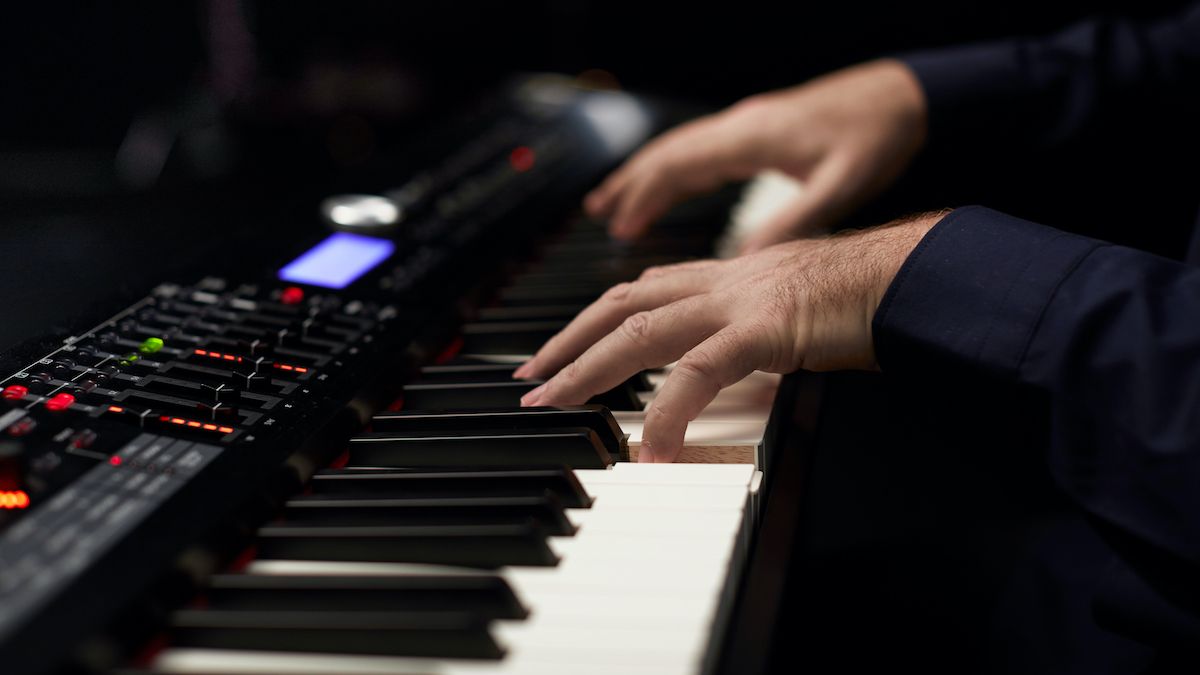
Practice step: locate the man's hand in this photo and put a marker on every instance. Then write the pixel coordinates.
(804, 304)
(846, 135)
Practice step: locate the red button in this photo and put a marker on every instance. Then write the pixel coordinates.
(60, 402)
(292, 295)
(14, 392)
(21, 427)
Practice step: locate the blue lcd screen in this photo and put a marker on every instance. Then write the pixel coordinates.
(338, 260)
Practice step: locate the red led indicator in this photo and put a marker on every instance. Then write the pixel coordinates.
(202, 352)
(60, 402)
(114, 460)
(292, 295)
(521, 158)
(225, 430)
(15, 392)
(14, 499)
(115, 409)
(297, 369)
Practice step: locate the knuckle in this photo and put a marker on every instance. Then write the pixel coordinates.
(619, 293)
(570, 375)
(659, 413)
(655, 272)
(700, 364)
(637, 327)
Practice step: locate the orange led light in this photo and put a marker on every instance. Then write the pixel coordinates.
(115, 409)
(195, 425)
(218, 355)
(14, 499)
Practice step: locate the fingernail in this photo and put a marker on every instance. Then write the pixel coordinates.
(522, 372)
(532, 398)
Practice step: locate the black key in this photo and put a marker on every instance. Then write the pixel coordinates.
(468, 373)
(470, 370)
(484, 546)
(467, 396)
(576, 447)
(546, 511)
(558, 481)
(594, 417)
(483, 595)
(530, 313)
(624, 396)
(513, 337)
(442, 634)
(550, 295)
(473, 395)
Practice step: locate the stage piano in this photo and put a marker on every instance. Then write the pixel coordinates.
(316, 461)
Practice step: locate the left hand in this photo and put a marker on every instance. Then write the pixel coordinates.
(803, 304)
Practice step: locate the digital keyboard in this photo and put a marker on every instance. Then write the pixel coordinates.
(324, 467)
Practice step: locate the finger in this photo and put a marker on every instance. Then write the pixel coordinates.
(657, 286)
(601, 201)
(810, 211)
(647, 198)
(645, 340)
(690, 163)
(604, 200)
(724, 358)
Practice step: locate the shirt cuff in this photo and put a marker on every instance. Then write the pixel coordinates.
(973, 93)
(972, 292)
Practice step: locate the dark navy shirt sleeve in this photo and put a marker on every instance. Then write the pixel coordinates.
(1046, 90)
(1112, 335)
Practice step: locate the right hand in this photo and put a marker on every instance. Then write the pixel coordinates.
(846, 136)
(802, 304)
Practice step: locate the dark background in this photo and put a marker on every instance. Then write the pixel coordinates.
(191, 120)
(332, 82)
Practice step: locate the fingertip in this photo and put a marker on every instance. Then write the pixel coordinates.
(593, 203)
(645, 453)
(626, 229)
(523, 371)
(533, 398)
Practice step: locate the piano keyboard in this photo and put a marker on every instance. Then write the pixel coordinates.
(455, 532)
(644, 556)
(640, 586)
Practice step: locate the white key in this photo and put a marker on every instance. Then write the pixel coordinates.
(637, 589)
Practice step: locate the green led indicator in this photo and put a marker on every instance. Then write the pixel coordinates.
(131, 357)
(151, 345)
